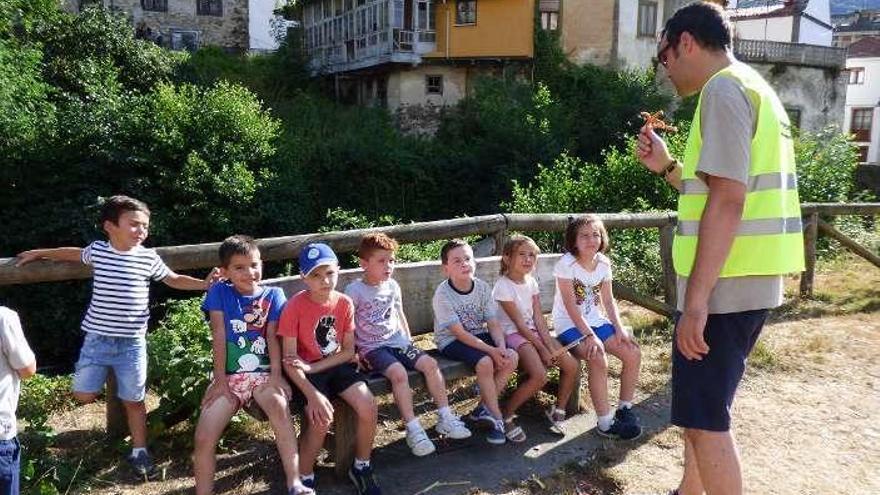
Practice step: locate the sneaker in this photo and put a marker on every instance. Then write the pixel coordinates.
(453, 427)
(301, 489)
(556, 417)
(364, 481)
(621, 431)
(626, 416)
(309, 483)
(142, 465)
(480, 413)
(419, 443)
(496, 434)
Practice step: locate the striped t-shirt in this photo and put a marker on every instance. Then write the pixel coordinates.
(120, 289)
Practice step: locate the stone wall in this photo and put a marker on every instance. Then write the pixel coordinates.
(228, 31)
(819, 93)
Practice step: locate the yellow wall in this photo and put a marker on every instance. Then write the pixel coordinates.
(504, 28)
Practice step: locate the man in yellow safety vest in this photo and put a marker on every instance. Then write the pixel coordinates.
(739, 231)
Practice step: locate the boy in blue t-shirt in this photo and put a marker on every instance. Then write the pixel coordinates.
(247, 362)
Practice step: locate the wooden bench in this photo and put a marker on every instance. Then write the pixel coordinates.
(417, 283)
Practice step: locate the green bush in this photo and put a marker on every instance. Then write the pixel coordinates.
(826, 165)
(179, 363)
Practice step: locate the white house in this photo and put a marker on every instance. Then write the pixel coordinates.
(789, 21)
(862, 114)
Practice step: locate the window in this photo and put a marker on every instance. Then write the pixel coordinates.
(647, 19)
(549, 21)
(155, 5)
(466, 12)
(861, 123)
(185, 40)
(209, 7)
(434, 85)
(856, 75)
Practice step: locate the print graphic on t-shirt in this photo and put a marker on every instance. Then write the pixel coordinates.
(470, 316)
(373, 316)
(580, 291)
(247, 351)
(595, 290)
(325, 335)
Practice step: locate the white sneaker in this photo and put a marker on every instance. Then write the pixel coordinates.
(419, 443)
(453, 427)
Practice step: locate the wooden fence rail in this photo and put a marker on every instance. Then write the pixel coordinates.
(495, 227)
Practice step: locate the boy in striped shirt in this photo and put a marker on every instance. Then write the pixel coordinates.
(115, 323)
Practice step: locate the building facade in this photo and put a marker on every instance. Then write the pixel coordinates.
(855, 26)
(415, 53)
(236, 25)
(785, 21)
(862, 115)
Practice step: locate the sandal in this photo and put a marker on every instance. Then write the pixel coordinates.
(513, 432)
(556, 417)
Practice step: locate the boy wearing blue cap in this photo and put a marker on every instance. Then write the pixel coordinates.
(317, 331)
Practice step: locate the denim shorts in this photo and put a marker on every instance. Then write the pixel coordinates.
(378, 360)
(10, 464)
(703, 391)
(460, 351)
(126, 356)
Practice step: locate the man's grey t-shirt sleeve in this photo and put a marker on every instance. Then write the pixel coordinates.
(727, 126)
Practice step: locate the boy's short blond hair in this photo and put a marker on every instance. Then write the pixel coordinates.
(371, 243)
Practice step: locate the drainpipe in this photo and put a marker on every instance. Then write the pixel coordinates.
(447, 29)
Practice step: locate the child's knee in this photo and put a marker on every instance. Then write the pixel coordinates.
(397, 375)
(598, 363)
(427, 364)
(568, 364)
(85, 397)
(485, 366)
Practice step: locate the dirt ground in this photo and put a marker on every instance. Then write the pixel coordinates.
(806, 416)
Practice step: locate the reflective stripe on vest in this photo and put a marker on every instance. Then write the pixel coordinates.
(768, 240)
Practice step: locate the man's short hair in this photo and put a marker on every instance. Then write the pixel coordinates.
(236, 244)
(705, 21)
(376, 242)
(115, 206)
(449, 246)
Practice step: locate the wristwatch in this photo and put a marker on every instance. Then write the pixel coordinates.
(673, 164)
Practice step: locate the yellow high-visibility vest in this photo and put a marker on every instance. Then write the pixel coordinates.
(769, 239)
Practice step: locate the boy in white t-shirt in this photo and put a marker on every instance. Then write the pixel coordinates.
(17, 362)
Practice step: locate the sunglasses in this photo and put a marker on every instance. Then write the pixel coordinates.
(661, 55)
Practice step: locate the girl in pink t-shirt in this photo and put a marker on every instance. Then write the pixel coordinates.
(526, 331)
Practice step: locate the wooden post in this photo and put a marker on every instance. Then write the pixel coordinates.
(345, 433)
(117, 426)
(848, 243)
(667, 234)
(811, 233)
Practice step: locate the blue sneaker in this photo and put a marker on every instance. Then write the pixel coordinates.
(496, 434)
(480, 413)
(364, 481)
(308, 483)
(621, 431)
(626, 416)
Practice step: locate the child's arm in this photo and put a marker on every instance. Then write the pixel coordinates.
(345, 354)
(404, 323)
(550, 343)
(70, 254)
(218, 387)
(497, 335)
(272, 344)
(318, 408)
(610, 305)
(185, 282)
(566, 289)
(511, 309)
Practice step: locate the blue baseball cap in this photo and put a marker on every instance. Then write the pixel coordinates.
(315, 255)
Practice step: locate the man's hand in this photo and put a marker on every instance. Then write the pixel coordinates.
(218, 388)
(319, 410)
(689, 333)
(652, 150)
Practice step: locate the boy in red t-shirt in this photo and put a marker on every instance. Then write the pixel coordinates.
(317, 331)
